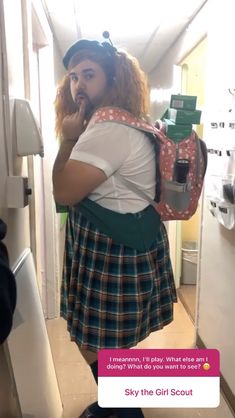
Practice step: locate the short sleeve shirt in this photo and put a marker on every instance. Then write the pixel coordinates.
(114, 147)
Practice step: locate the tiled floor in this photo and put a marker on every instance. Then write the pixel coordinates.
(76, 383)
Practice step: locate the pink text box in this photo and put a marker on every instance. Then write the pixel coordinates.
(158, 362)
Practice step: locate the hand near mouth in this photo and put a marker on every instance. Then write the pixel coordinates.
(80, 98)
(74, 125)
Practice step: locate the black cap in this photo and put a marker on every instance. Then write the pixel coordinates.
(85, 44)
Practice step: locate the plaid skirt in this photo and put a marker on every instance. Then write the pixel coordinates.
(113, 296)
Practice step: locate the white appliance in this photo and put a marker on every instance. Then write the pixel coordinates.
(29, 348)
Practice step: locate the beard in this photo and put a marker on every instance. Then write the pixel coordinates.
(89, 107)
(90, 104)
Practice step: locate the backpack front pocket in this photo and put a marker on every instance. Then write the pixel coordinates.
(176, 195)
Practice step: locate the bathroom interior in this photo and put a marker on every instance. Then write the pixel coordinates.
(56, 373)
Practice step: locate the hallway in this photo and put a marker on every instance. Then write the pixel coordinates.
(77, 386)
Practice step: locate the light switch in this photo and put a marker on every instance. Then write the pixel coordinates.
(18, 192)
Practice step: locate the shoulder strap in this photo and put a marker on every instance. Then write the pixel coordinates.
(118, 115)
(134, 189)
(131, 186)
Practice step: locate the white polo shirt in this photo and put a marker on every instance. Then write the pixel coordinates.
(114, 147)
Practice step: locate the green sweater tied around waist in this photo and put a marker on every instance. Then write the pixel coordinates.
(136, 230)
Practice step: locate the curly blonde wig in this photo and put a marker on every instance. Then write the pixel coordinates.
(64, 104)
(128, 86)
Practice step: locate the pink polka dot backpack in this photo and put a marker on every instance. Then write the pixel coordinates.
(181, 165)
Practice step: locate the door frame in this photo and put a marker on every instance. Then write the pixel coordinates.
(37, 36)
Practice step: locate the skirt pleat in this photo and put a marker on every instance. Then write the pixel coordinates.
(113, 296)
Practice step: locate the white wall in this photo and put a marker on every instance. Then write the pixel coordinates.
(163, 76)
(216, 309)
(216, 302)
(19, 221)
(166, 77)
(58, 66)
(18, 236)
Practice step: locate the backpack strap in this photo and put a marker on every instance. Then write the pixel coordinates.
(177, 187)
(135, 189)
(166, 206)
(118, 115)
